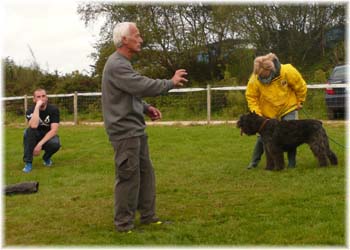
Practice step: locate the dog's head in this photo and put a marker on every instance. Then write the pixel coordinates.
(250, 123)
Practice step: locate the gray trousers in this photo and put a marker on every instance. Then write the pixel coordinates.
(135, 181)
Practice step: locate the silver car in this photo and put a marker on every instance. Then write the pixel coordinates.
(335, 95)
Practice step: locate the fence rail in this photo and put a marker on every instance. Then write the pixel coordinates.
(210, 104)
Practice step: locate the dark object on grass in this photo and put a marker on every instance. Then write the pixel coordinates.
(280, 136)
(22, 188)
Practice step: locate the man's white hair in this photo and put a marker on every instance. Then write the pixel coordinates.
(119, 31)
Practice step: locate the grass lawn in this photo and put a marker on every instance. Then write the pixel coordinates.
(203, 187)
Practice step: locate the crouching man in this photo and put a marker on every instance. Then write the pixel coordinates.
(41, 134)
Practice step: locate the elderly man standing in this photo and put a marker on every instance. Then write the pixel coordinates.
(123, 112)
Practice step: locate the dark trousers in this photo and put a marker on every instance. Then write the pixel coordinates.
(31, 138)
(135, 181)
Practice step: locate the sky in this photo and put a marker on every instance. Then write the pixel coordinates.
(52, 30)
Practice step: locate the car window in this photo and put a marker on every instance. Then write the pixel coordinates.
(338, 73)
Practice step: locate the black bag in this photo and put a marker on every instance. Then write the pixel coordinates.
(22, 188)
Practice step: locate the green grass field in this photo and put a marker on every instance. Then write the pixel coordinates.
(202, 187)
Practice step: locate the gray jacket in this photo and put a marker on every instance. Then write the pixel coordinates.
(122, 90)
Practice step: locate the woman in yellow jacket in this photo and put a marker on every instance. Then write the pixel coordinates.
(276, 91)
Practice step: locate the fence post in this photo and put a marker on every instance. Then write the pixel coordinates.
(25, 107)
(75, 103)
(208, 104)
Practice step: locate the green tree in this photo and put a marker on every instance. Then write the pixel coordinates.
(76, 81)
(294, 32)
(211, 40)
(174, 36)
(19, 80)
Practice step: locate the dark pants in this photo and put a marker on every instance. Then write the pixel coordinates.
(31, 138)
(135, 181)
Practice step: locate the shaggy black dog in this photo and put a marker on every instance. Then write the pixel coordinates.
(279, 136)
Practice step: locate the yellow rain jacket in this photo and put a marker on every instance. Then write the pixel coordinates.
(279, 97)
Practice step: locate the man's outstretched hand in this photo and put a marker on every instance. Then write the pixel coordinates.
(179, 77)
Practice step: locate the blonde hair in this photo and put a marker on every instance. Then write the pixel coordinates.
(265, 62)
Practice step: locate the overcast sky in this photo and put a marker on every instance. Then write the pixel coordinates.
(52, 29)
(54, 32)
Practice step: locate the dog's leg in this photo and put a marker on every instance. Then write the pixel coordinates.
(269, 158)
(320, 152)
(279, 160)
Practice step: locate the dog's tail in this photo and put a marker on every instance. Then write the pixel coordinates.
(330, 154)
(332, 157)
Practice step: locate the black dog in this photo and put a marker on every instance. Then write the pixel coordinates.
(280, 136)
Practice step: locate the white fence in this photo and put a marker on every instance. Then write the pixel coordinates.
(208, 104)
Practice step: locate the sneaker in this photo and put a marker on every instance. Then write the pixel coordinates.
(47, 163)
(148, 221)
(125, 228)
(155, 221)
(251, 166)
(27, 168)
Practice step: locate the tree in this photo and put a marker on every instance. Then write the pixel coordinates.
(294, 32)
(19, 80)
(208, 40)
(75, 81)
(174, 35)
